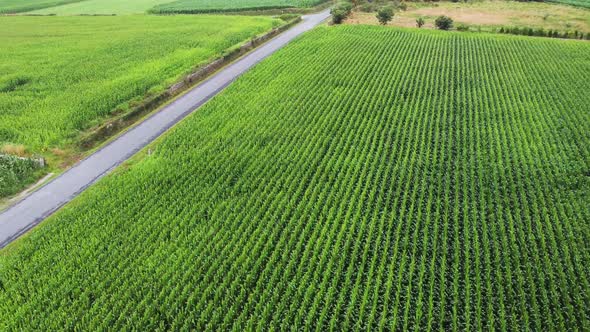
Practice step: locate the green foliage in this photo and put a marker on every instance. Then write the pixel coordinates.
(61, 75)
(443, 22)
(341, 11)
(543, 33)
(368, 7)
(385, 14)
(208, 6)
(417, 181)
(288, 17)
(462, 27)
(20, 6)
(15, 173)
(420, 22)
(578, 3)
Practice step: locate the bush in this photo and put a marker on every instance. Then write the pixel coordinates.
(340, 12)
(420, 22)
(443, 22)
(463, 27)
(385, 14)
(345, 5)
(338, 15)
(367, 8)
(288, 17)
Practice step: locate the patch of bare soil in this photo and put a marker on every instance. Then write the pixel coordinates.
(489, 15)
(468, 15)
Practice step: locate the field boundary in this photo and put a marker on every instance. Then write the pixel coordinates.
(113, 126)
(265, 10)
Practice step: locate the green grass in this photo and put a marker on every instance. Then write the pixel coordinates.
(578, 3)
(19, 6)
(362, 177)
(61, 75)
(103, 7)
(15, 173)
(205, 6)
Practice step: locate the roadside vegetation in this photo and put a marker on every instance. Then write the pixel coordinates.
(420, 180)
(16, 173)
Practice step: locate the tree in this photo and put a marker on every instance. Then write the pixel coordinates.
(338, 15)
(341, 11)
(420, 22)
(385, 14)
(443, 22)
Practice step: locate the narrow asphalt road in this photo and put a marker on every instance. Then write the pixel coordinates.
(27, 213)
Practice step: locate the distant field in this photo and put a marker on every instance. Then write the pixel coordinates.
(19, 6)
(579, 3)
(361, 178)
(93, 7)
(61, 75)
(489, 15)
(204, 6)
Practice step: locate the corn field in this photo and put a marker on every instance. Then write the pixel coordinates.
(209, 6)
(362, 178)
(15, 173)
(63, 75)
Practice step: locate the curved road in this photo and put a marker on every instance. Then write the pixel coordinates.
(27, 213)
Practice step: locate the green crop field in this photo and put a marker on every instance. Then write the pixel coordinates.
(361, 178)
(19, 6)
(15, 173)
(61, 75)
(205, 6)
(579, 3)
(93, 7)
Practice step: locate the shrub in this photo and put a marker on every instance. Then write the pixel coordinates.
(338, 15)
(288, 17)
(420, 22)
(341, 11)
(367, 8)
(443, 22)
(463, 27)
(385, 14)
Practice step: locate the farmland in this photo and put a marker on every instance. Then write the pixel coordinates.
(361, 178)
(490, 15)
(579, 3)
(19, 6)
(206, 6)
(15, 173)
(62, 75)
(102, 7)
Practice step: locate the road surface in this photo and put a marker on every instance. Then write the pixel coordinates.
(33, 209)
